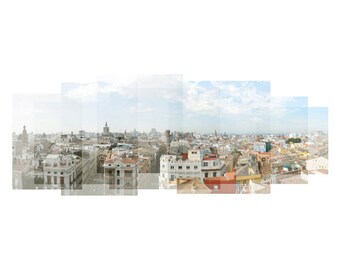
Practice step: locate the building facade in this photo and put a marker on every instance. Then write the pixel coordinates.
(61, 171)
(120, 172)
(193, 165)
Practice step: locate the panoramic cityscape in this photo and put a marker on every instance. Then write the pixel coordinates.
(121, 135)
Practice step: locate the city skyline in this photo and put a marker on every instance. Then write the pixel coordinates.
(167, 102)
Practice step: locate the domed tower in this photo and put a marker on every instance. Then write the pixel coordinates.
(24, 136)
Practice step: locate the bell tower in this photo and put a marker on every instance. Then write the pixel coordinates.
(24, 136)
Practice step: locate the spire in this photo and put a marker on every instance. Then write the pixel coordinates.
(24, 127)
(105, 124)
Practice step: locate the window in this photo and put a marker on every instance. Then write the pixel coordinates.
(172, 167)
(195, 167)
(172, 177)
(214, 174)
(206, 174)
(214, 163)
(61, 173)
(188, 167)
(118, 181)
(62, 180)
(49, 180)
(55, 180)
(128, 173)
(180, 167)
(118, 173)
(48, 172)
(205, 164)
(55, 172)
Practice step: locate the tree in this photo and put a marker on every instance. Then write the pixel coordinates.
(293, 140)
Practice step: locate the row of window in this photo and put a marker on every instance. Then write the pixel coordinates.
(128, 165)
(56, 173)
(181, 167)
(55, 180)
(206, 164)
(205, 175)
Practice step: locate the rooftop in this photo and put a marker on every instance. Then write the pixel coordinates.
(191, 186)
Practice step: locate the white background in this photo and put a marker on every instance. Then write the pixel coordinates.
(291, 43)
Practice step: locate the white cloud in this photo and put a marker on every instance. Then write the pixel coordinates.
(223, 98)
(89, 90)
(228, 99)
(134, 86)
(200, 100)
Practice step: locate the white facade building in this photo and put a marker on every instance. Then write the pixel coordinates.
(121, 172)
(173, 167)
(260, 146)
(213, 167)
(195, 166)
(61, 171)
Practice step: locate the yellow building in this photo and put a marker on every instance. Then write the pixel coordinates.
(247, 173)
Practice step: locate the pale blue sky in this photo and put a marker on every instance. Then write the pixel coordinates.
(165, 101)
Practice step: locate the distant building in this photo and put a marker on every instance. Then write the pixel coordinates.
(179, 147)
(260, 146)
(167, 140)
(268, 146)
(24, 136)
(82, 134)
(106, 130)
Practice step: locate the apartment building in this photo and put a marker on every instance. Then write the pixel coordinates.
(61, 171)
(121, 172)
(193, 165)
